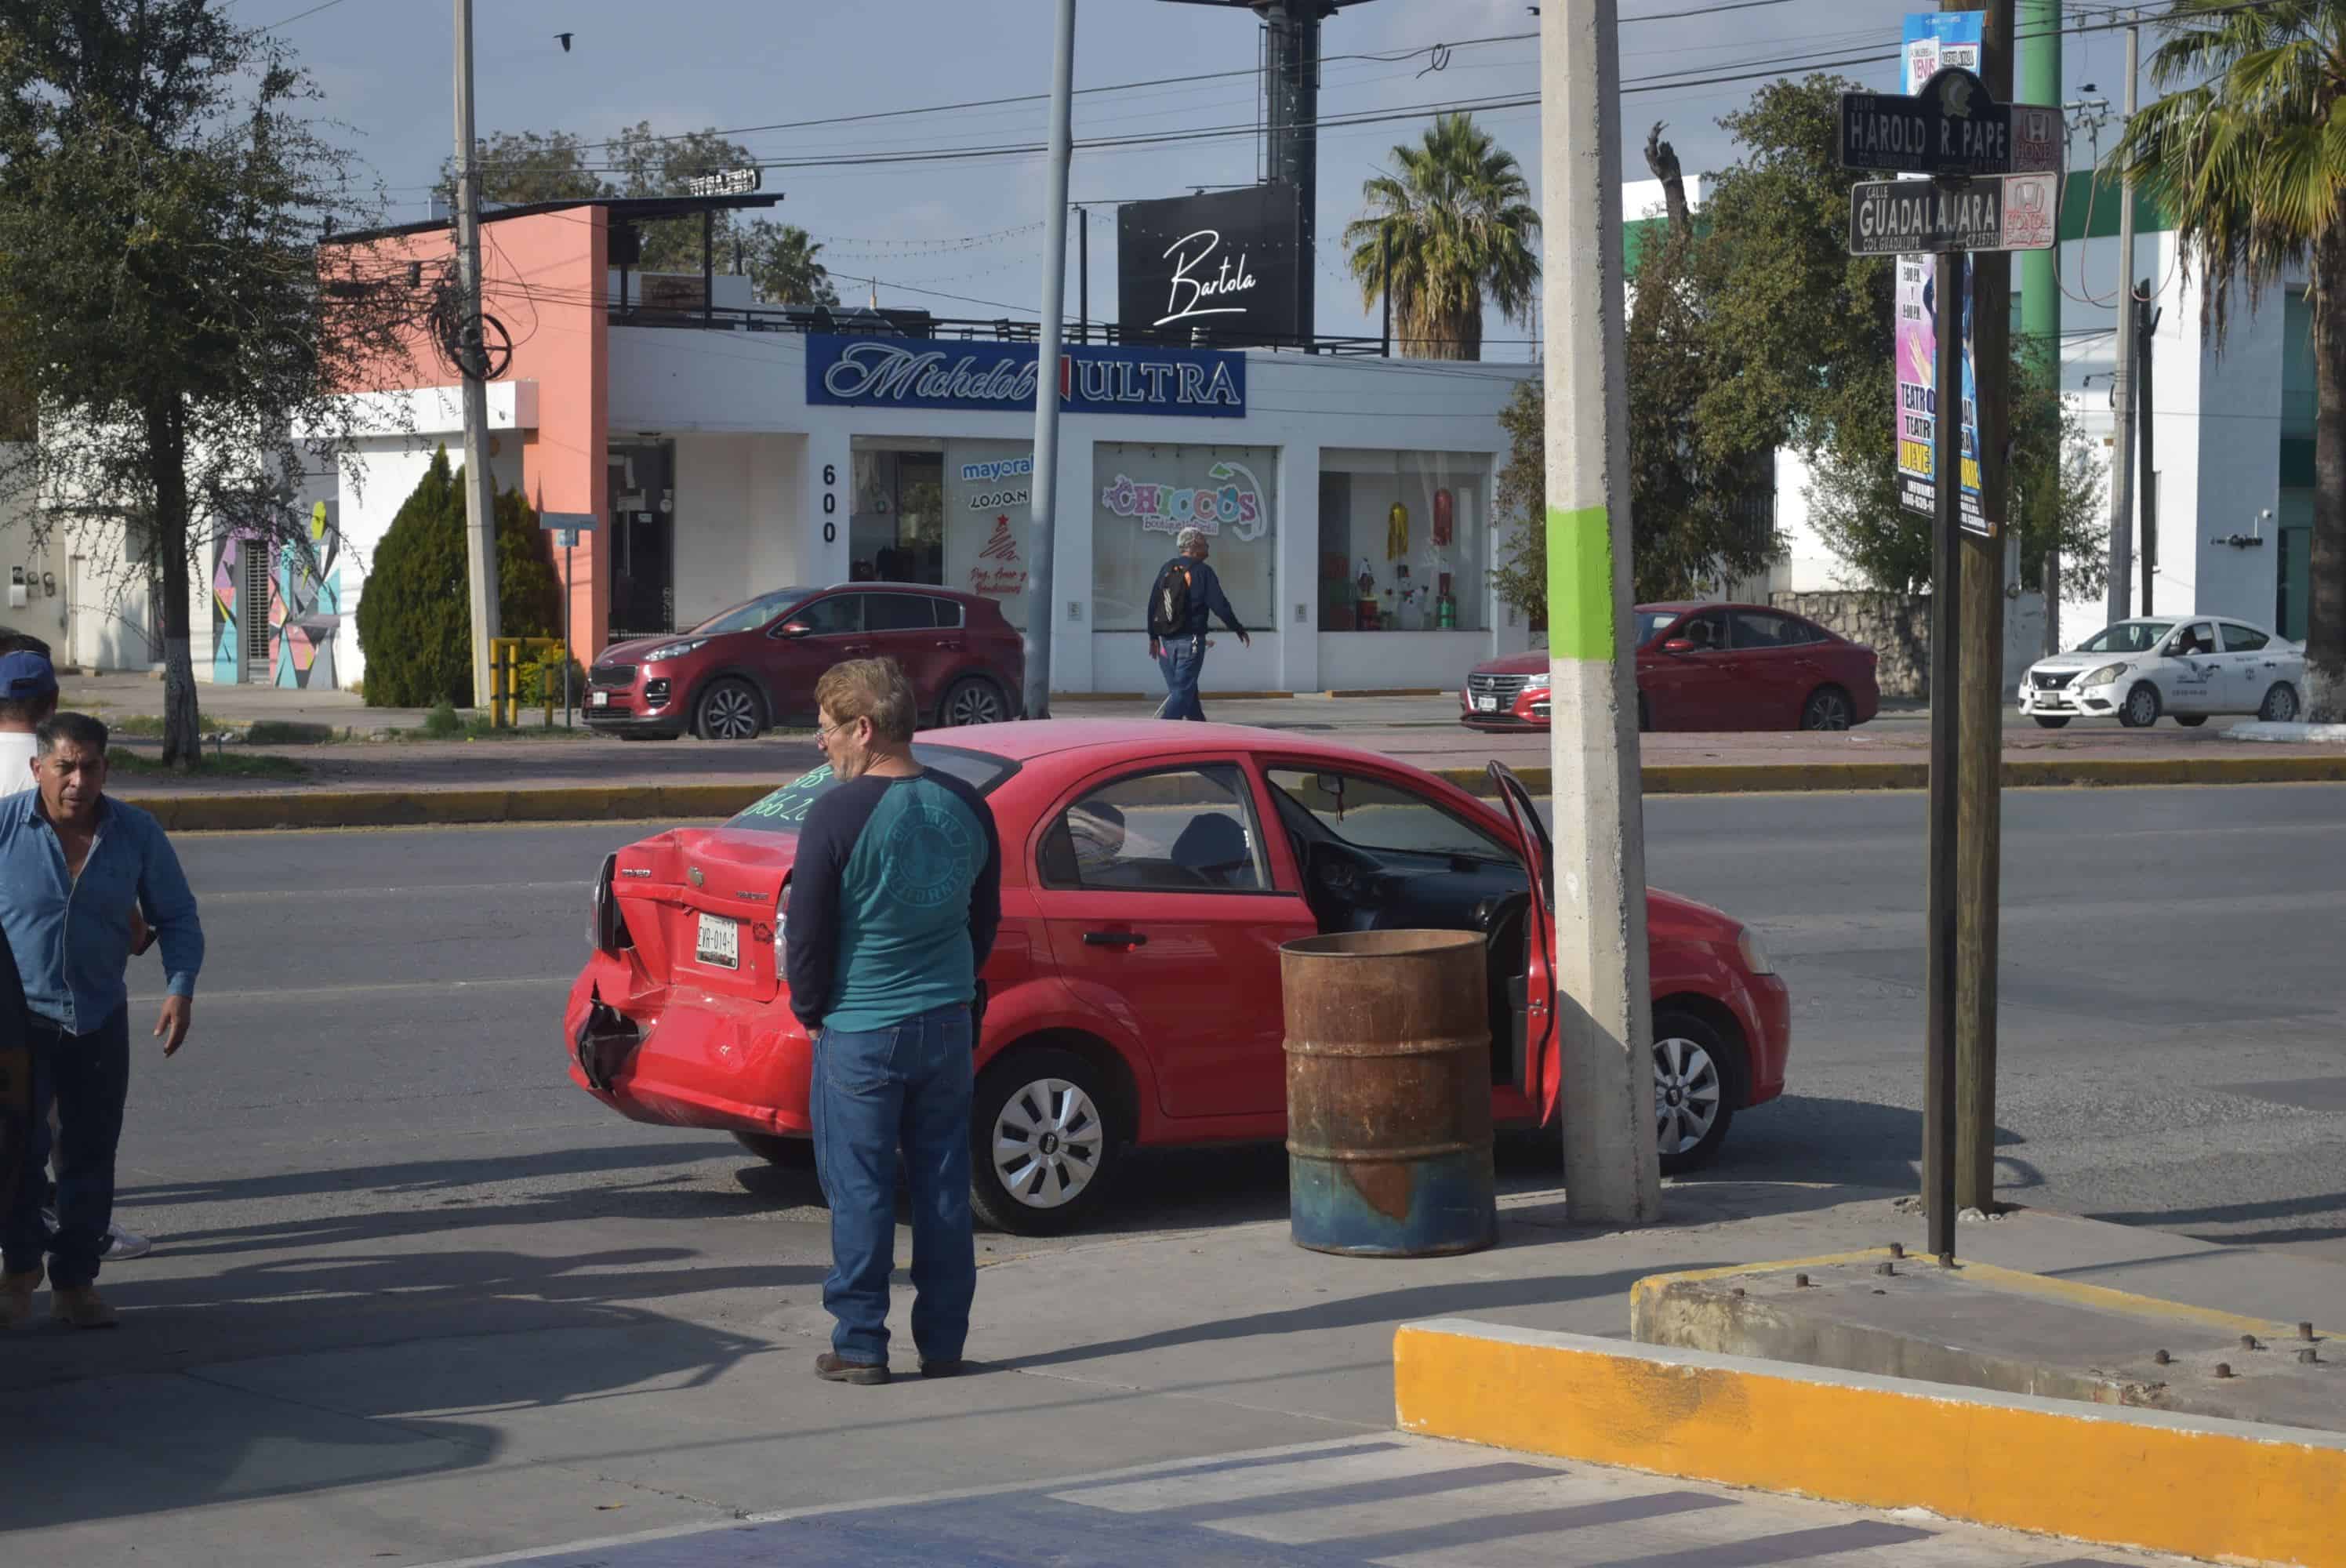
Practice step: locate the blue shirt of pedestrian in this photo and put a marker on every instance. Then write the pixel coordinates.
(1205, 596)
(71, 935)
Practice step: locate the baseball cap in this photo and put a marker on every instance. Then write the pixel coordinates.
(25, 677)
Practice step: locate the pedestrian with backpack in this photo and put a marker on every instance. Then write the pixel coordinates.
(1185, 592)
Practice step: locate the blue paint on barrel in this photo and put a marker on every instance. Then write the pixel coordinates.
(1450, 1206)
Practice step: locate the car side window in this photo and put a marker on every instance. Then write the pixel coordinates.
(899, 613)
(2243, 639)
(1190, 829)
(1764, 629)
(830, 616)
(1707, 631)
(948, 613)
(2197, 638)
(1370, 814)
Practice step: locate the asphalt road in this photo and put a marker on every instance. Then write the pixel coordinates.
(376, 1051)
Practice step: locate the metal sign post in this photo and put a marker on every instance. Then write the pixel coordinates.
(1991, 188)
(566, 527)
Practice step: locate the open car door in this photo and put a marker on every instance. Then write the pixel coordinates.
(1543, 1071)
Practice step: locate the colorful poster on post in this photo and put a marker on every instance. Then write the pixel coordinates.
(1935, 41)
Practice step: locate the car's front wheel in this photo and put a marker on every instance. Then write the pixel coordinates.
(1697, 1075)
(972, 699)
(2141, 708)
(2279, 705)
(1041, 1143)
(2052, 720)
(1827, 708)
(728, 710)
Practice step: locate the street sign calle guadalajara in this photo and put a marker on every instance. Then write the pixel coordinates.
(1912, 217)
(1951, 127)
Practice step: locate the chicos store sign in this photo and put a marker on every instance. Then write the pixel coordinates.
(922, 373)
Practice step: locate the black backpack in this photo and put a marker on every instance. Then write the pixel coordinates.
(1168, 601)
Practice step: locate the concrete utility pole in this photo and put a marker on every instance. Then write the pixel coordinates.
(1043, 490)
(2145, 326)
(1979, 808)
(480, 521)
(2040, 287)
(1604, 1014)
(2122, 376)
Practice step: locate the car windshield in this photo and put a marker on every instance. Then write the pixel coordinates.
(1651, 622)
(786, 807)
(749, 618)
(2127, 637)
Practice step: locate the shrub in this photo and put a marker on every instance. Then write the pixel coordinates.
(442, 720)
(415, 617)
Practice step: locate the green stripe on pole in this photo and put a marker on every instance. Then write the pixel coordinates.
(1580, 584)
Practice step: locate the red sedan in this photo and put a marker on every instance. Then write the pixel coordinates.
(1150, 873)
(1705, 666)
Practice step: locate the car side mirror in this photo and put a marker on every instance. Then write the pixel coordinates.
(1678, 646)
(797, 629)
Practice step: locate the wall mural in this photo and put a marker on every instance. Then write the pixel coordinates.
(305, 602)
(226, 552)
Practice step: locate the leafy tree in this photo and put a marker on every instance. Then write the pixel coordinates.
(1461, 227)
(2248, 153)
(518, 168)
(781, 260)
(414, 622)
(160, 200)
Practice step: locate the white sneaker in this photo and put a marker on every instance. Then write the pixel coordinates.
(121, 1246)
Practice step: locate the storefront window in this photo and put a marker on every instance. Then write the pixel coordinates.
(1404, 540)
(895, 530)
(989, 522)
(1144, 495)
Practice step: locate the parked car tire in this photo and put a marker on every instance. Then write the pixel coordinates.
(728, 710)
(2142, 707)
(1705, 1071)
(2052, 720)
(1827, 708)
(788, 1154)
(2190, 720)
(2279, 705)
(1042, 1142)
(972, 699)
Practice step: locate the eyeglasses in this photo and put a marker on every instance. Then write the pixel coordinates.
(824, 732)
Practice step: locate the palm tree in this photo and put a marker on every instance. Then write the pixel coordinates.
(781, 259)
(2249, 159)
(1460, 223)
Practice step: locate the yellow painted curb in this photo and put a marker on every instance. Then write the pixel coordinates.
(2077, 1293)
(2117, 1477)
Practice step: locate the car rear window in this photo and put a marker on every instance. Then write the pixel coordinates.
(786, 807)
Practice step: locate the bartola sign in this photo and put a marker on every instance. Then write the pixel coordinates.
(1225, 264)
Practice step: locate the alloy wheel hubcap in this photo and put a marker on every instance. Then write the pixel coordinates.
(1831, 713)
(730, 715)
(1046, 1143)
(2284, 705)
(1687, 1091)
(2145, 710)
(974, 704)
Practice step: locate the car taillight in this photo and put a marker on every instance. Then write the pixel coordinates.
(606, 929)
(781, 924)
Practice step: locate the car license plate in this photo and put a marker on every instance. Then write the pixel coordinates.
(1486, 705)
(720, 941)
(599, 700)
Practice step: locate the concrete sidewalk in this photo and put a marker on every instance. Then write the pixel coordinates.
(313, 1392)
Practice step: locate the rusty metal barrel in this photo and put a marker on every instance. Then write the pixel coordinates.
(1388, 1093)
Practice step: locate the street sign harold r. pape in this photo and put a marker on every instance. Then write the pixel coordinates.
(1951, 127)
(1917, 216)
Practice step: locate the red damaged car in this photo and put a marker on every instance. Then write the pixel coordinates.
(1150, 873)
(1704, 667)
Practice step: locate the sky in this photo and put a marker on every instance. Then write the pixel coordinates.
(925, 232)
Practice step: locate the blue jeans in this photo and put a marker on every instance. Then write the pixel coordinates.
(876, 1090)
(1183, 660)
(88, 1078)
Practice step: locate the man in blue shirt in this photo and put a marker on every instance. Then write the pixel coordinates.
(74, 867)
(894, 899)
(1180, 651)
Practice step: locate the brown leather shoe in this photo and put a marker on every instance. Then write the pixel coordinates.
(81, 1307)
(17, 1298)
(833, 1368)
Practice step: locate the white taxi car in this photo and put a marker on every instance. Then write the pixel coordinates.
(2185, 666)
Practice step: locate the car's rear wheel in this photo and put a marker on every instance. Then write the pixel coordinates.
(972, 699)
(2142, 707)
(1041, 1142)
(2052, 720)
(728, 710)
(1827, 708)
(2190, 720)
(2279, 705)
(789, 1154)
(1697, 1074)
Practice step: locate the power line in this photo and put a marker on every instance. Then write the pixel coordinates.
(298, 16)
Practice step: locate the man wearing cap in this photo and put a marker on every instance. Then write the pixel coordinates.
(1180, 650)
(74, 868)
(28, 696)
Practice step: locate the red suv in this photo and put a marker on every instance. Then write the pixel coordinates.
(755, 666)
